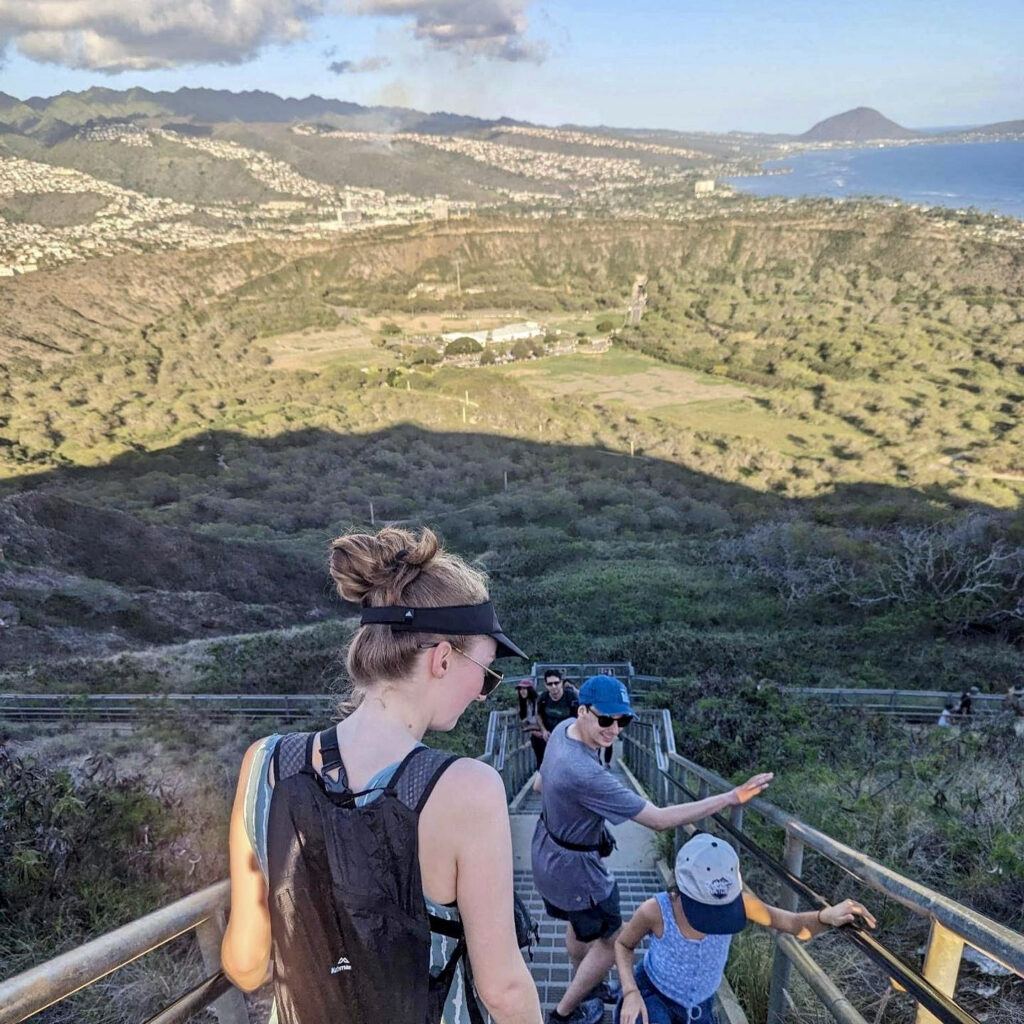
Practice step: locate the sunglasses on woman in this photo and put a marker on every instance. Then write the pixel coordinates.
(492, 677)
(607, 721)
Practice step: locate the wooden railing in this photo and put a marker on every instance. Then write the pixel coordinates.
(650, 753)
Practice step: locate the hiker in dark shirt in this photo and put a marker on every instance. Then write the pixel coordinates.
(966, 699)
(559, 702)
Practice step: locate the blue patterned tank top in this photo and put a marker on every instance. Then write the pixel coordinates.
(688, 971)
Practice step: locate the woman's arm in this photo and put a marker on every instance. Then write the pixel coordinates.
(644, 921)
(805, 924)
(245, 951)
(475, 811)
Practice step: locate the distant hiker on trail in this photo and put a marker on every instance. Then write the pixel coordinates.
(558, 702)
(366, 865)
(691, 929)
(966, 699)
(1013, 701)
(571, 838)
(527, 699)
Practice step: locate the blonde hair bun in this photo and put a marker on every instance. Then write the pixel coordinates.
(397, 567)
(374, 569)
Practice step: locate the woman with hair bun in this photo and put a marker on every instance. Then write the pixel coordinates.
(347, 845)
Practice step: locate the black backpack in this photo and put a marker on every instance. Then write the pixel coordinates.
(350, 928)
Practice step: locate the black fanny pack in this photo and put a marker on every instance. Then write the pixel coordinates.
(603, 847)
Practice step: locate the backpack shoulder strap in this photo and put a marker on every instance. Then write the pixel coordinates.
(291, 754)
(414, 779)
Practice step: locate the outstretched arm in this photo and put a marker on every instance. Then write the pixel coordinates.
(805, 924)
(662, 818)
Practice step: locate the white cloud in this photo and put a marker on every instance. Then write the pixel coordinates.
(489, 28)
(122, 35)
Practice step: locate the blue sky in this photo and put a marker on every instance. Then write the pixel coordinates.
(734, 64)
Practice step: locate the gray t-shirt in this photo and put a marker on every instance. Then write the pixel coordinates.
(578, 796)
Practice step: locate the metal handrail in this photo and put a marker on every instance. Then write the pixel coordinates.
(897, 700)
(651, 754)
(506, 749)
(42, 986)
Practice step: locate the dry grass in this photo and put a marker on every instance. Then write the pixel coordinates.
(636, 381)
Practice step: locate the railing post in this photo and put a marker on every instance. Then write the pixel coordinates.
(703, 792)
(230, 1008)
(680, 834)
(736, 820)
(941, 965)
(793, 858)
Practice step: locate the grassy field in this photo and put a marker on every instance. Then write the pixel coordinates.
(636, 381)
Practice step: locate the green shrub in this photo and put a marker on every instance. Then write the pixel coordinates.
(463, 347)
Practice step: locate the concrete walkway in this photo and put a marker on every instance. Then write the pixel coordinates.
(634, 865)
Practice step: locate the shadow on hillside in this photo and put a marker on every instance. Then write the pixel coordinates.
(318, 478)
(228, 534)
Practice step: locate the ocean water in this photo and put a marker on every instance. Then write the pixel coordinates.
(986, 175)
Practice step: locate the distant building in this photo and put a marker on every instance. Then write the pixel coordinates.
(439, 208)
(704, 187)
(500, 335)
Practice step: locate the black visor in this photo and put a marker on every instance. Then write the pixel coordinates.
(453, 620)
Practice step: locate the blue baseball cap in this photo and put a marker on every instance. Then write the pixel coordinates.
(607, 695)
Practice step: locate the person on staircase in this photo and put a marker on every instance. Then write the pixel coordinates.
(369, 867)
(558, 702)
(690, 931)
(526, 695)
(571, 838)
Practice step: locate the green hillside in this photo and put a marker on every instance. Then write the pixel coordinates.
(809, 408)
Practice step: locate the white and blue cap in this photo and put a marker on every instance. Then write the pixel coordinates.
(710, 888)
(607, 695)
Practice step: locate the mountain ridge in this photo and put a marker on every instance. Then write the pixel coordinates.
(260, 106)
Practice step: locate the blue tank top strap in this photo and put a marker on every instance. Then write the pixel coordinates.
(668, 916)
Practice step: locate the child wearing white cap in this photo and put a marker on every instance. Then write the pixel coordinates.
(691, 929)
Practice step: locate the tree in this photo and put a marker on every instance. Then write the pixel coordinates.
(488, 357)
(463, 346)
(424, 355)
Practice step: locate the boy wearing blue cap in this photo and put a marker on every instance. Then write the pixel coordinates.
(578, 797)
(691, 929)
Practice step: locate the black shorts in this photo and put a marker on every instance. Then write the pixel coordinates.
(598, 921)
